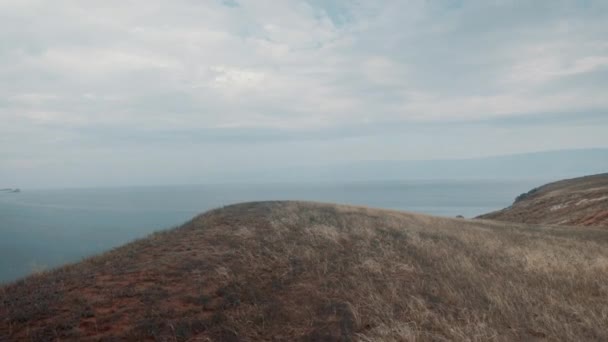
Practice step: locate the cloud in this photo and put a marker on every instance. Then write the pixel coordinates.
(292, 63)
(305, 68)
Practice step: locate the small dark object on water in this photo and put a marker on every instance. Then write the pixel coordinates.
(10, 190)
(460, 216)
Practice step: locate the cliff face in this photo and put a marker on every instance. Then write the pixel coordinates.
(294, 271)
(576, 202)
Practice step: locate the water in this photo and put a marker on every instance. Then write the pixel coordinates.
(41, 229)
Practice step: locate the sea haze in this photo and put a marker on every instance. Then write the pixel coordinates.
(41, 229)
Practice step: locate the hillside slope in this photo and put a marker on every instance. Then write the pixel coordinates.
(579, 201)
(299, 271)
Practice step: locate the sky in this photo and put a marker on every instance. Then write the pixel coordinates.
(139, 92)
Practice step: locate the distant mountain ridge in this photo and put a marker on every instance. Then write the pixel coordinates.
(543, 166)
(580, 201)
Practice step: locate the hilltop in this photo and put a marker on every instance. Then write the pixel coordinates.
(579, 201)
(289, 271)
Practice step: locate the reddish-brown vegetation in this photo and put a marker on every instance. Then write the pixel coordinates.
(575, 202)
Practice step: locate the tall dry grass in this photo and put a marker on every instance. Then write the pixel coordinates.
(319, 272)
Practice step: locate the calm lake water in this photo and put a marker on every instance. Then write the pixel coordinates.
(41, 229)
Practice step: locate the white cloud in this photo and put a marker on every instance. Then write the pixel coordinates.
(547, 62)
(235, 79)
(68, 66)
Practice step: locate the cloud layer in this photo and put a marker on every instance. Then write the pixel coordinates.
(89, 78)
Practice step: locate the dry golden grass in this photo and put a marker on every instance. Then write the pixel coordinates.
(579, 201)
(285, 271)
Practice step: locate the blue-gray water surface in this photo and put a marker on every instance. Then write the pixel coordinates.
(41, 229)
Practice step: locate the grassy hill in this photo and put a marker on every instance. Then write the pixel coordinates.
(289, 271)
(579, 201)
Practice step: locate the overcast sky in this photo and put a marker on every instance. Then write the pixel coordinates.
(161, 92)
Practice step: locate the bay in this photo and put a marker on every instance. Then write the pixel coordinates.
(42, 229)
